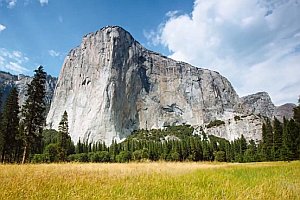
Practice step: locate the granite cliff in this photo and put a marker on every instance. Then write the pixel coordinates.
(111, 85)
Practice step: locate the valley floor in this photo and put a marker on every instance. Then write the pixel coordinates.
(158, 180)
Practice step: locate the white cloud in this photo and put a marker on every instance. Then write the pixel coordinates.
(2, 28)
(255, 44)
(53, 53)
(43, 2)
(16, 67)
(11, 3)
(17, 54)
(13, 61)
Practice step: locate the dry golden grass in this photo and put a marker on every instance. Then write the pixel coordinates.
(277, 180)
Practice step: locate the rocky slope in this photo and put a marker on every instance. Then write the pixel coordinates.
(285, 110)
(111, 85)
(7, 81)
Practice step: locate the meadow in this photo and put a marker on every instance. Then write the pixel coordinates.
(157, 180)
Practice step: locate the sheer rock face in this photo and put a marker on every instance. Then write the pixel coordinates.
(110, 85)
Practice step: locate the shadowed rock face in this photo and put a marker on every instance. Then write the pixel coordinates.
(111, 85)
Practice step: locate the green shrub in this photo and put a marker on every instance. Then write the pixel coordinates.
(237, 118)
(52, 152)
(39, 158)
(175, 156)
(220, 156)
(123, 156)
(103, 156)
(137, 155)
(80, 157)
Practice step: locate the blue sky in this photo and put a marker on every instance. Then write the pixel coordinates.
(45, 31)
(255, 44)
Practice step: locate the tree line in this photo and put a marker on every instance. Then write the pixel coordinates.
(280, 141)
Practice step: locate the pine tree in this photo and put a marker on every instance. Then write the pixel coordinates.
(9, 126)
(250, 153)
(64, 139)
(243, 147)
(267, 137)
(293, 132)
(33, 113)
(297, 121)
(277, 139)
(286, 153)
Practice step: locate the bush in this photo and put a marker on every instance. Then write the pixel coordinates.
(220, 156)
(52, 152)
(175, 156)
(80, 157)
(145, 153)
(39, 158)
(123, 156)
(93, 157)
(137, 155)
(99, 156)
(237, 118)
(103, 156)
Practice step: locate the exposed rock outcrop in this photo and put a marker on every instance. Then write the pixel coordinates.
(259, 104)
(285, 110)
(250, 126)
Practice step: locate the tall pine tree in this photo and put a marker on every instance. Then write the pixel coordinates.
(33, 113)
(10, 126)
(297, 122)
(277, 139)
(285, 151)
(64, 140)
(267, 137)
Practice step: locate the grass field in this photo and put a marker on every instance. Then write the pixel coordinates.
(278, 180)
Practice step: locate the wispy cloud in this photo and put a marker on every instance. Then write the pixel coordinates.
(16, 67)
(2, 28)
(53, 53)
(173, 13)
(13, 61)
(255, 44)
(43, 2)
(11, 3)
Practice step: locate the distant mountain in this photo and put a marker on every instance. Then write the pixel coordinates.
(285, 110)
(7, 81)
